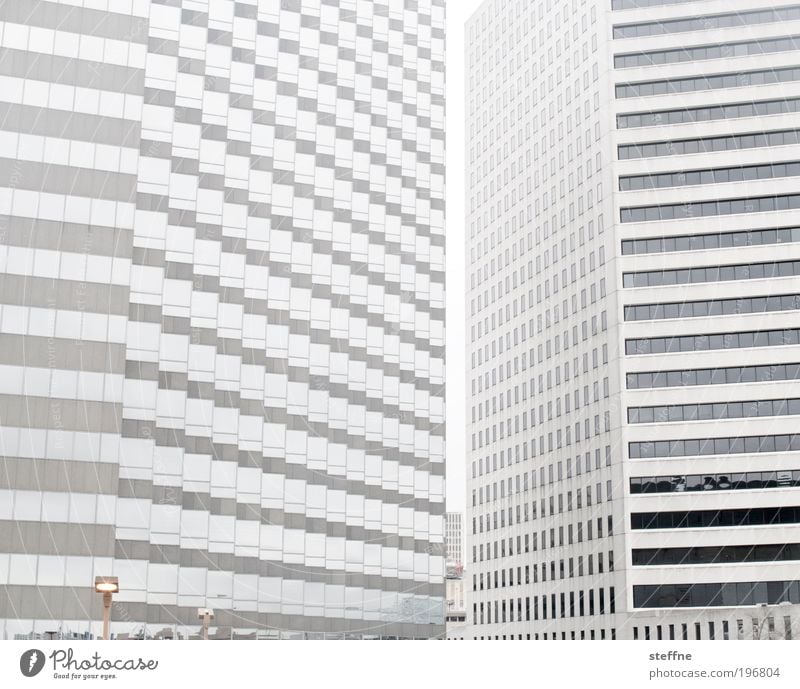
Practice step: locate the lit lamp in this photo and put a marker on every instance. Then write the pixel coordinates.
(205, 614)
(108, 586)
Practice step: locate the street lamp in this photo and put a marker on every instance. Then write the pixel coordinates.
(766, 609)
(205, 614)
(108, 586)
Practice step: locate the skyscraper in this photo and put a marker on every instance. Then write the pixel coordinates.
(222, 317)
(632, 302)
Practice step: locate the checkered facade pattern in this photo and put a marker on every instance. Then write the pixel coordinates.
(222, 316)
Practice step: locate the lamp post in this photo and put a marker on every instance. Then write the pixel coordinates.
(205, 614)
(108, 586)
(766, 610)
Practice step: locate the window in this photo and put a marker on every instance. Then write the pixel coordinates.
(635, 4)
(731, 375)
(714, 307)
(704, 114)
(721, 175)
(774, 552)
(679, 211)
(716, 594)
(720, 410)
(719, 240)
(698, 343)
(714, 446)
(701, 519)
(706, 22)
(707, 82)
(705, 52)
(783, 478)
(721, 143)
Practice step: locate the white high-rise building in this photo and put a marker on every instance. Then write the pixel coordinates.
(633, 247)
(222, 317)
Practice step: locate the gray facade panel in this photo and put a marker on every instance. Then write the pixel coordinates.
(71, 71)
(62, 179)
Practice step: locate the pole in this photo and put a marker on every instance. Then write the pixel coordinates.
(106, 615)
(205, 626)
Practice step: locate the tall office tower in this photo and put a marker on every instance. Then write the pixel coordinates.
(632, 218)
(222, 316)
(454, 537)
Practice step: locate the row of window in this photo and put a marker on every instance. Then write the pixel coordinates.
(555, 472)
(713, 307)
(708, 113)
(698, 632)
(552, 636)
(565, 569)
(584, 605)
(558, 538)
(636, 4)
(707, 22)
(717, 240)
(716, 554)
(733, 142)
(752, 480)
(711, 411)
(730, 375)
(705, 209)
(703, 519)
(686, 276)
(491, 520)
(703, 343)
(708, 82)
(714, 446)
(714, 595)
(706, 52)
(720, 175)
(492, 523)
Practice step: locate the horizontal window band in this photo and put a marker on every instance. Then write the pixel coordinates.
(713, 307)
(712, 51)
(708, 113)
(714, 411)
(715, 240)
(707, 22)
(718, 175)
(732, 142)
(694, 447)
(702, 209)
(707, 519)
(703, 343)
(731, 375)
(750, 480)
(710, 82)
(727, 594)
(715, 555)
(727, 273)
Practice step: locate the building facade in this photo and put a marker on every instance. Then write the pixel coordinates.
(632, 247)
(222, 317)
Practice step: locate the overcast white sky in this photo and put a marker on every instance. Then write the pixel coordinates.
(458, 11)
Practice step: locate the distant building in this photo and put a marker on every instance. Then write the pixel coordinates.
(454, 537)
(455, 592)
